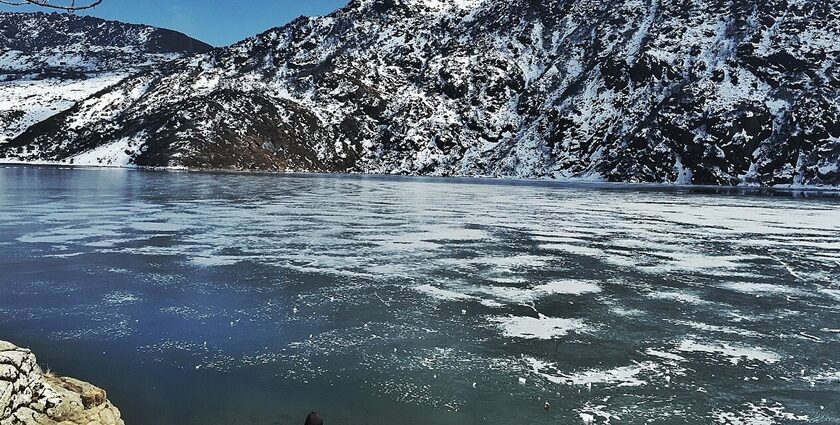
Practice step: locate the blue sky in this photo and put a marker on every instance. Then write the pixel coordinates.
(218, 22)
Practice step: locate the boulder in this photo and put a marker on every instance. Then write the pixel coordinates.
(28, 396)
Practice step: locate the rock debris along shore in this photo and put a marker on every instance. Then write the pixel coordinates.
(29, 396)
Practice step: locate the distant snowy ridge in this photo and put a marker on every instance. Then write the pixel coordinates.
(53, 45)
(48, 62)
(724, 92)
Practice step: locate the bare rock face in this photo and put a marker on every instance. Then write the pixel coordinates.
(28, 396)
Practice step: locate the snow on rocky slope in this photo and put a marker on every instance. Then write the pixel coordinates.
(711, 92)
(48, 62)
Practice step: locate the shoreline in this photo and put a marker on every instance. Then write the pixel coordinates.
(583, 182)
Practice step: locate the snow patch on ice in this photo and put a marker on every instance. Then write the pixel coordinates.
(752, 414)
(623, 376)
(759, 289)
(444, 294)
(526, 295)
(665, 355)
(680, 296)
(537, 328)
(571, 287)
(735, 353)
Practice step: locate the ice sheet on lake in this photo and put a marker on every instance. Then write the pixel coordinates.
(431, 287)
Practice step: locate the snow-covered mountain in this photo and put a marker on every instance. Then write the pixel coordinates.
(713, 91)
(48, 62)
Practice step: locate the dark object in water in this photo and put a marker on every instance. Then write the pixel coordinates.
(314, 419)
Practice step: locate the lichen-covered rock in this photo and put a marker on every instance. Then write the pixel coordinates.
(28, 396)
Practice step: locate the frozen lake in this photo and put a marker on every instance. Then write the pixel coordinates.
(217, 299)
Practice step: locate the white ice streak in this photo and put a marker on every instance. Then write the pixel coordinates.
(679, 296)
(734, 353)
(763, 414)
(526, 295)
(760, 289)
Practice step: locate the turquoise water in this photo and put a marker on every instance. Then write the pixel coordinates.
(198, 298)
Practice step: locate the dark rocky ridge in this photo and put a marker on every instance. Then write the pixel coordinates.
(67, 45)
(720, 92)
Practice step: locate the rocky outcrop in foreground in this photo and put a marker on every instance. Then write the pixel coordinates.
(29, 396)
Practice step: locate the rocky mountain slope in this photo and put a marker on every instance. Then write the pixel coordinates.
(48, 62)
(712, 92)
(28, 396)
